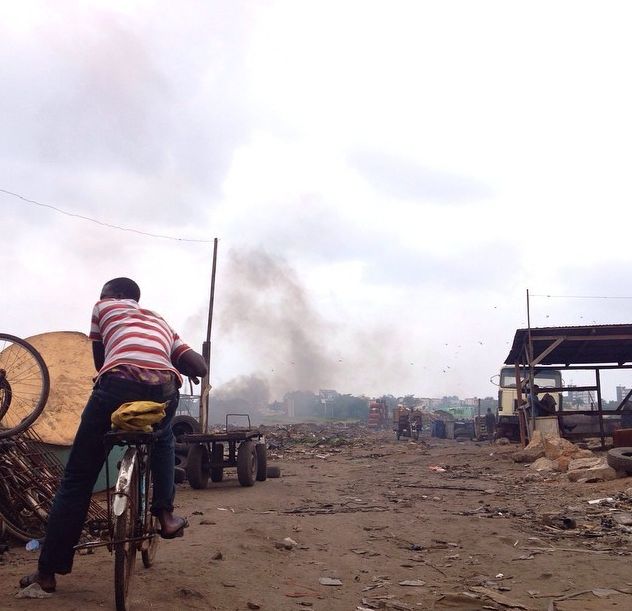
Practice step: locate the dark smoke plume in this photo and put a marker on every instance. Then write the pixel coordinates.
(267, 308)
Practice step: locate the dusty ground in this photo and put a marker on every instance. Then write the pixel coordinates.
(371, 512)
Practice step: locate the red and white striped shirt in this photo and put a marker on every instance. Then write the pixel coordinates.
(134, 336)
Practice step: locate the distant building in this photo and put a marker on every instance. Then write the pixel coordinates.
(622, 392)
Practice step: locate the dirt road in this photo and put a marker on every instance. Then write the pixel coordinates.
(434, 524)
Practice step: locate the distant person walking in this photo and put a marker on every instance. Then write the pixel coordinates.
(490, 424)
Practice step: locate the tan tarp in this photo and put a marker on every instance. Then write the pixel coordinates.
(68, 356)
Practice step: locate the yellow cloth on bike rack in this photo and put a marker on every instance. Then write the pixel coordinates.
(138, 415)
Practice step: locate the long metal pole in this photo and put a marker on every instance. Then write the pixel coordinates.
(532, 395)
(206, 350)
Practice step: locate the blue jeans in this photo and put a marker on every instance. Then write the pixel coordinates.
(87, 456)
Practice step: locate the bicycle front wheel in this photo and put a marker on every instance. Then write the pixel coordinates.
(126, 530)
(24, 385)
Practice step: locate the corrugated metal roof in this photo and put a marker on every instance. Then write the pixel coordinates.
(580, 345)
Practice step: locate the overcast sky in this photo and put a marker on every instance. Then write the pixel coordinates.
(386, 179)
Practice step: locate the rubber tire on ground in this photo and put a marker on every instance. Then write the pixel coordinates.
(620, 459)
(247, 463)
(182, 425)
(262, 462)
(181, 460)
(179, 475)
(198, 466)
(149, 554)
(217, 455)
(273, 472)
(125, 553)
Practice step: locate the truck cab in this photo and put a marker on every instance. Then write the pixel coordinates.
(545, 379)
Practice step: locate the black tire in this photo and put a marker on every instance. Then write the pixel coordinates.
(620, 459)
(273, 472)
(126, 527)
(179, 475)
(149, 554)
(24, 385)
(183, 425)
(247, 463)
(217, 458)
(262, 462)
(198, 466)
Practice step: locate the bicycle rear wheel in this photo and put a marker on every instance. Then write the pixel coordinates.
(149, 554)
(126, 527)
(24, 385)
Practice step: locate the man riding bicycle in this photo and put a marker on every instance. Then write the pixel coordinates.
(138, 357)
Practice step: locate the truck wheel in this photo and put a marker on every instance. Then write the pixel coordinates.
(620, 459)
(198, 466)
(262, 462)
(247, 463)
(217, 457)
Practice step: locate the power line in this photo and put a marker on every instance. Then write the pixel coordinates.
(103, 223)
(581, 296)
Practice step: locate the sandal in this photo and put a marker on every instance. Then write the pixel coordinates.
(179, 532)
(29, 580)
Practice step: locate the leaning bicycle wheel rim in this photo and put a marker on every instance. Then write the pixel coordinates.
(126, 527)
(24, 385)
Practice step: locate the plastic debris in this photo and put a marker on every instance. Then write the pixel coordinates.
(33, 591)
(329, 581)
(33, 545)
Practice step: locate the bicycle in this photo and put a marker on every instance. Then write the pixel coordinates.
(24, 385)
(130, 526)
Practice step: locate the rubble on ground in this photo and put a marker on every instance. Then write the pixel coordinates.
(548, 453)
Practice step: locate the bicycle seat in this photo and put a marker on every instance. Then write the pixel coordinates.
(128, 438)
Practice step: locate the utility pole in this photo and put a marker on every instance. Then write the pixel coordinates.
(206, 350)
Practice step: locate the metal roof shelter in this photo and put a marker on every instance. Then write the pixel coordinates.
(590, 347)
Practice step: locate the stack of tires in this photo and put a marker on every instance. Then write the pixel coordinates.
(183, 425)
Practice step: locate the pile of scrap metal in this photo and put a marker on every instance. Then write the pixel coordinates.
(29, 477)
(378, 414)
(445, 426)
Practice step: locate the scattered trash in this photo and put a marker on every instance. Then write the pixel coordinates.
(33, 591)
(287, 543)
(437, 469)
(329, 581)
(607, 499)
(252, 605)
(33, 545)
(413, 583)
(189, 593)
(501, 599)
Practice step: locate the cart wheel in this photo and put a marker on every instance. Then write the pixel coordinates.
(198, 466)
(262, 462)
(217, 457)
(247, 463)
